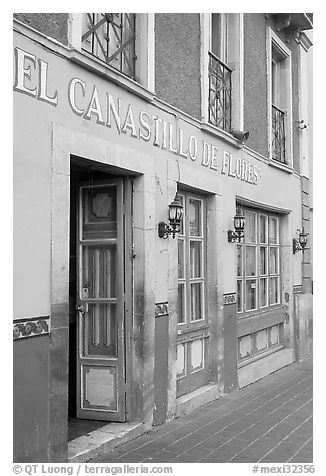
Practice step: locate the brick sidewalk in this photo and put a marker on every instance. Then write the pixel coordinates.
(269, 421)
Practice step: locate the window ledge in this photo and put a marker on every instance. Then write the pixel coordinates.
(96, 66)
(221, 134)
(281, 166)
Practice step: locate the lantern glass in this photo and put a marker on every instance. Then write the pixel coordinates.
(175, 211)
(303, 238)
(172, 213)
(239, 222)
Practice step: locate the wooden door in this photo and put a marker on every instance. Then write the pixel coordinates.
(100, 303)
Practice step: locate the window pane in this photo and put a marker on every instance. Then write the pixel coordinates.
(273, 260)
(181, 303)
(239, 261)
(195, 259)
(250, 227)
(196, 301)
(263, 260)
(181, 264)
(263, 228)
(273, 291)
(239, 296)
(195, 218)
(251, 293)
(250, 261)
(273, 230)
(217, 35)
(263, 292)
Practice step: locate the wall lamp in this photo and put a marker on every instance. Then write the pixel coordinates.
(239, 224)
(301, 243)
(175, 217)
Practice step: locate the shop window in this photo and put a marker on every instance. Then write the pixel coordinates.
(122, 41)
(192, 328)
(279, 66)
(258, 263)
(222, 57)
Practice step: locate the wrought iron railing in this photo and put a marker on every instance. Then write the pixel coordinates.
(111, 38)
(278, 134)
(219, 97)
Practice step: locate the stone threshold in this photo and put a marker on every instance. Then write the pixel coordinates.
(98, 442)
(189, 402)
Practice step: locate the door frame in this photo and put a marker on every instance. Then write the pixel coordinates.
(68, 143)
(121, 382)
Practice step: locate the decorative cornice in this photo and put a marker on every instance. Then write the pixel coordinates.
(229, 298)
(31, 327)
(161, 309)
(303, 40)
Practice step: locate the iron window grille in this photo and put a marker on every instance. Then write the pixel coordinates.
(219, 100)
(111, 38)
(278, 134)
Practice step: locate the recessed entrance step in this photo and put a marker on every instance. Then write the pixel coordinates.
(97, 442)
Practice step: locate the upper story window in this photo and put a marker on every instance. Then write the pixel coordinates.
(220, 84)
(111, 38)
(222, 67)
(122, 45)
(280, 103)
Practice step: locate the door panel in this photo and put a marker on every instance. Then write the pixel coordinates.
(100, 304)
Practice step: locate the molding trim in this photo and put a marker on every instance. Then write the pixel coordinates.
(161, 309)
(229, 298)
(31, 327)
(261, 206)
(303, 40)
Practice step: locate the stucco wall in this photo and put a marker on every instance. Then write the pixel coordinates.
(255, 83)
(54, 25)
(177, 60)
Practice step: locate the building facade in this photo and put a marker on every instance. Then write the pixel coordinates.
(115, 115)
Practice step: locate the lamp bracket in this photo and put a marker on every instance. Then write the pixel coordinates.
(232, 236)
(164, 230)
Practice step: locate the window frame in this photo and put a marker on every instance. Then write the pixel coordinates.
(186, 281)
(283, 68)
(258, 276)
(235, 60)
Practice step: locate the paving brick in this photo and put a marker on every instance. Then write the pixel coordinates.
(243, 426)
